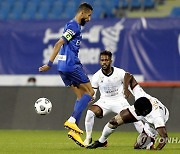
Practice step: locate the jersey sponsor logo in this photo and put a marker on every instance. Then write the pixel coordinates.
(78, 42)
(62, 57)
(111, 92)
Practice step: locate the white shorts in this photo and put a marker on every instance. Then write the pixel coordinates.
(114, 105)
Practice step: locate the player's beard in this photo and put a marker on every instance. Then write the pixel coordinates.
(106, 68)
(83, 22)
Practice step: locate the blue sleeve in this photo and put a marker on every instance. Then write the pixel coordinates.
(70, 30)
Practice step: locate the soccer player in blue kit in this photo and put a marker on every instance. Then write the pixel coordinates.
(71, 69)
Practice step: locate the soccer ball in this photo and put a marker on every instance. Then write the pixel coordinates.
(144, 141)
(43, 106)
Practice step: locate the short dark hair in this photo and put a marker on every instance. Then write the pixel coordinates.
(106, 52)
(143, 106)
(85, 6)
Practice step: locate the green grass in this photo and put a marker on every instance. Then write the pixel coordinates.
(57, 142)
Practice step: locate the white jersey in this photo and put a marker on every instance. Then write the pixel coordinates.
(159, 114)
(110, 86)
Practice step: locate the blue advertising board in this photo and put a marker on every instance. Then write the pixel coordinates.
(145, 46)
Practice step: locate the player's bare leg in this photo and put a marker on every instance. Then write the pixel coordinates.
(84, 94)
(71, 122)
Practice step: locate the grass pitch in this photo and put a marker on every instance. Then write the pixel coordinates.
(57, 142)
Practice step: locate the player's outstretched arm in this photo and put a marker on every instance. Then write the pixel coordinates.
(127, 81)
(163, 138)
(55, 51)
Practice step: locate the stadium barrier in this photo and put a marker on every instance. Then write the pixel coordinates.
(17, 107)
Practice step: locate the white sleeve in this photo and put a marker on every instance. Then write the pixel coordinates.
(95, 84)
(138, 92)
(94, 81)
(159, 122)
(122, 74)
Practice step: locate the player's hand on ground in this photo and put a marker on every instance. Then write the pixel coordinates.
(152, 147)
(44, 68)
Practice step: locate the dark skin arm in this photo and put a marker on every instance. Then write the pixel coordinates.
(163, 138)
(54, 53)
(129, 80)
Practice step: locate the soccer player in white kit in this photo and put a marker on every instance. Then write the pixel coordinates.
(110, 82)
(147, 109)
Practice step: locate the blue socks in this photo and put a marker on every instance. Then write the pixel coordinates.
(79, 115)
(80, 106)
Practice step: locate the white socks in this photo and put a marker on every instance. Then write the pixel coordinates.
(72, 119)
(89, 123)
(106, 133)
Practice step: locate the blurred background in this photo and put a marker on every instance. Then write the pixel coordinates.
(64, 9)
(143, 35)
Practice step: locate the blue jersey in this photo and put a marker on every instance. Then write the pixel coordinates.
(68, 54)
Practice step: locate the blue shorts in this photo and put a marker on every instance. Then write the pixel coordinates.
(75, 78)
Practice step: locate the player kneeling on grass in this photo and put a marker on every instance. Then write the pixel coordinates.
(147, 109)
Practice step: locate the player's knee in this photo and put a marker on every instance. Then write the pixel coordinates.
(91, 92)
(113, 124)
(99, 114)
(97, 111)
(86, 89)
